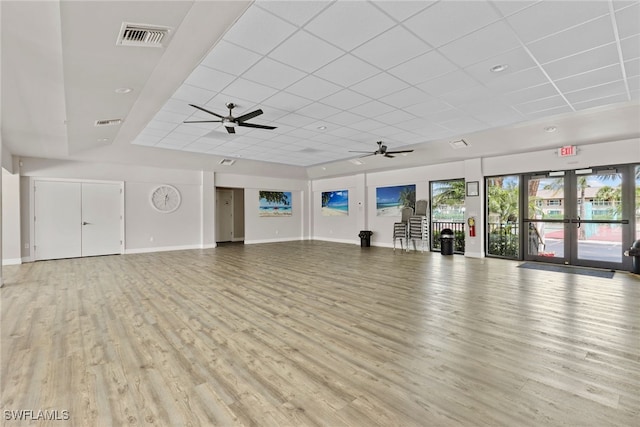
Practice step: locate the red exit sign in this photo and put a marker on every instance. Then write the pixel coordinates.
(567, 150)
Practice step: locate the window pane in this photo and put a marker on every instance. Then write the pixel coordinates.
(503, 220)
(447, 211)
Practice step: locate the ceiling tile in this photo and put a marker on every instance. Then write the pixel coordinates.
(396, 116)
(583, 62)
(509, 7)
(272, 30)
(590, 78)
(273, 73)
(169, 117)
(428, 107)
(580, 38)
(422, 68)
(630, 47)
(177, 106)
(348, 24)
(305, 52)
(372, 108)
(402, 9)
(515, 60)
(344, 118)
(601, 101)
(347, 70)
(531, 94)
(542, 104)
(318, 111)
(405, 98)
(467, 96)
(597, 92)
(245, 89)
(464, 125)
(448, 83)
(517, 81)
(446, 21)
(482, 44)
(207, 78)
(313, 88)
(391, 48)
(193, 95)
(345, 99)
(230, 58)
(379, 85)
(632, 68)
(548, 17)
(295, 12)
(628, 21)
(286, 101)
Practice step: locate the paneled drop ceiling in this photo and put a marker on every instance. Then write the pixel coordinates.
(339, 76)
(332, 76)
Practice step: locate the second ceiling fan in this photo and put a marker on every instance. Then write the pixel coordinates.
(230, 122)
(382, 150)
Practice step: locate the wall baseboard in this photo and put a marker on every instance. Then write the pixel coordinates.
(12, 261)
(209, 246)
(329, 239)
(161, 249)
(474, 254)
(284, 239)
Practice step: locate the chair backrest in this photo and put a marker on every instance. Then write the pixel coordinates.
(421, 207)
(406, 213)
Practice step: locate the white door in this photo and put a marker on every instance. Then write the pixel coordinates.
(75, 219)
(101, 219)
(224, 215)
(57, 220)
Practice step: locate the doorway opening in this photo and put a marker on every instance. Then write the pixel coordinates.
(229, 215)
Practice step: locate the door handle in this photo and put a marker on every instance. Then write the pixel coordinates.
(86, 223)
(579, 223)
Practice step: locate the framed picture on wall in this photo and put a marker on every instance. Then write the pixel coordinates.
(472, 188)
(391, 200)
(275, 203)
(335, 203)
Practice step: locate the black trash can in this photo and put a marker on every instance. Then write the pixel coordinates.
(634, 252)
(365, 238)
(446, 241)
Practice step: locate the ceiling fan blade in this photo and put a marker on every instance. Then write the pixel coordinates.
(388, 155)
(400, 151)
(368, 152)
(248, 116)
(251, 125)
(206, 111)
(202, 121)
(367, 155)
(230, 129)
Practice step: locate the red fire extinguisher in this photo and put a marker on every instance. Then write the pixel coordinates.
(472, 226)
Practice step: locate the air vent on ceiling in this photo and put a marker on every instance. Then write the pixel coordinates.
(109, 122)
(461, 143)
(142, 35)
(227, 162)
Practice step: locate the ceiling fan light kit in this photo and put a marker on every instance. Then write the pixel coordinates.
(382, 150)
(229, 122)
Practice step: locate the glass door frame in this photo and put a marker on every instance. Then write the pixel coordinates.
(572, 222)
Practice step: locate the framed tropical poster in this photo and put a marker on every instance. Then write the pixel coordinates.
(335, 203)
(390, 200)
(275, 203)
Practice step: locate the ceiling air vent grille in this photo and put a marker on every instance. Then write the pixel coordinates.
(227, 162)
(109, 122)
(461, 143)
(142, 35)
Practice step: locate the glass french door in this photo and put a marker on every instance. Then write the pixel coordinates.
(579, 217)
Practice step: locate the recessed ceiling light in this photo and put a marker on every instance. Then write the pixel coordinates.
(550, 129)
(324, 169)
(499, 68)
(103, 139)
(322, 127)
(356, 162)
(123, 90)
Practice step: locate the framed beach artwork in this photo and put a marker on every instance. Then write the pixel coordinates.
(335, 203)
(390, 200)
(275, 203)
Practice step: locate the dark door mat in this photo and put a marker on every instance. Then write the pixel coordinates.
(605, 274)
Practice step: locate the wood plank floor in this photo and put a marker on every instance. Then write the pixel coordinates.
(317, 333)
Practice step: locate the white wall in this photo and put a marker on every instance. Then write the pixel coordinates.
(191, 226)
(11, 252)
(259, 229)
(342, 229)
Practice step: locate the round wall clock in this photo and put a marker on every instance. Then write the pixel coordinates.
(165, 198)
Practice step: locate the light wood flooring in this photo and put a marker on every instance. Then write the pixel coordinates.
(317, 333)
